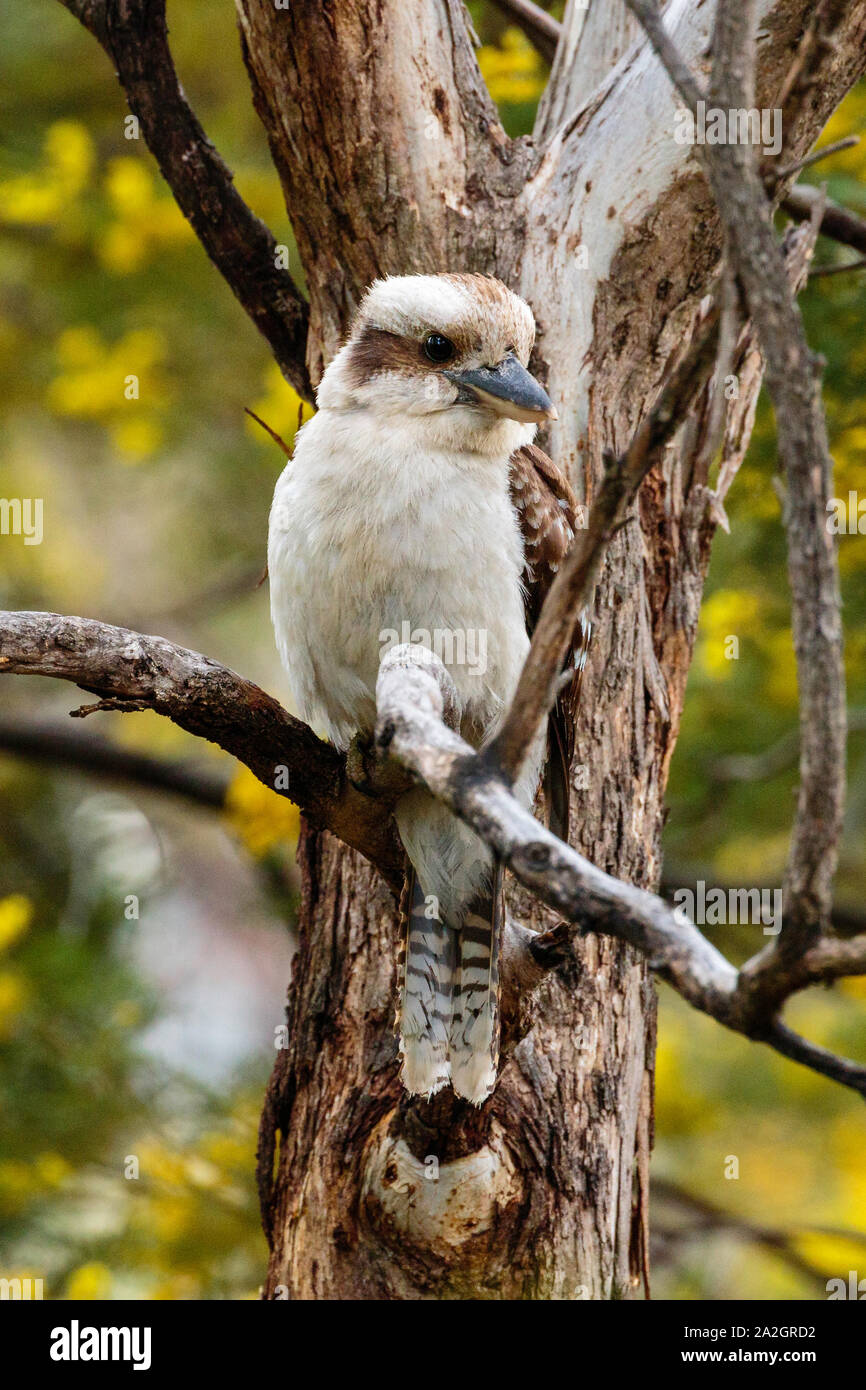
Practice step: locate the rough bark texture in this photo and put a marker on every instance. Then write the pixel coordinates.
(392, 160)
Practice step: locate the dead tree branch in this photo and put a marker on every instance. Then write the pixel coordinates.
(44, 742)
(134, 34)
(793, 380)
(129, 670)
(411, 700)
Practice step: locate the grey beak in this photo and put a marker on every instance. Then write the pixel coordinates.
(508, 389)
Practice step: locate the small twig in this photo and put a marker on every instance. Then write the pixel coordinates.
(817, 155)
(124, 706)
(274, 436)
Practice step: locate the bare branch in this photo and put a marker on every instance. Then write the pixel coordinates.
(793, 380)
(213, 702)
(50, 743)
(411, 701)
(540, 28)
(846, 143)
(647, 12)
(134, 34)
(757, 767)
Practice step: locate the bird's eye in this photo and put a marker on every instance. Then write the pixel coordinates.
(438, 348)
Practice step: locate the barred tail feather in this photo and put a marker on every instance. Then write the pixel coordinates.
(425, 1005)
(474, 1031)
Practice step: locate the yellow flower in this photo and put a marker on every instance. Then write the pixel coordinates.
(70, 154)
(137, 438)
(52, 1169)
(260, 817)
(89, 1281)
(129, 186)
(512, 69)
(726, 614)
(144, 221)
(16, 913)
(94, 381)
(122, 248)
(45, 195)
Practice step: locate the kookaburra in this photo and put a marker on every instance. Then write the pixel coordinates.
(416, 503)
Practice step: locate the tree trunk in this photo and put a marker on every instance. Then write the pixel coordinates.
(393, 161)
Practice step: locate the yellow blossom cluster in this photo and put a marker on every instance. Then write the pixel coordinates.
(118, 384)
(260, 817)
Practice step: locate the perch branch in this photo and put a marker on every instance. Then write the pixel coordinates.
(134, 34)
(212, 702)
(410, 701)
(127, 669)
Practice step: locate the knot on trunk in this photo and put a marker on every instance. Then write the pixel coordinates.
(446, 1216)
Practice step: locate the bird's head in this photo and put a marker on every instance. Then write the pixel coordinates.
(450, 351)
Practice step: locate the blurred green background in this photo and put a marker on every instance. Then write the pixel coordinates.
(145, 940)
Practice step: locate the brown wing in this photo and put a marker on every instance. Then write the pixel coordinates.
(542, 497)
(547, 509)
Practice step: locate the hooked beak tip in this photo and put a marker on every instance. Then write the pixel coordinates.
(553, 413)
